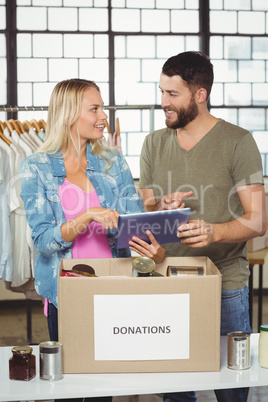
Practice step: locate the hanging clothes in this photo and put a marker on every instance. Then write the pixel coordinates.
(18, 255)
(6, 162)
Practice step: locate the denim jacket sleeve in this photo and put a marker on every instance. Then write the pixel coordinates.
(125, 195)
(39, 192)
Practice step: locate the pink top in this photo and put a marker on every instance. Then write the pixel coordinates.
(93, 241)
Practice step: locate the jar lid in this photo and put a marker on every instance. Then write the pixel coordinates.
(264, 327)
(22, 350)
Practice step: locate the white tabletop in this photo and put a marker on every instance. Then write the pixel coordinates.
(88, 385)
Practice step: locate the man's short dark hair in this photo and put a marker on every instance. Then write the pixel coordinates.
(194, 68)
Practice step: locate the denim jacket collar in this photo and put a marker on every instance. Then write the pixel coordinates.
(57, 164)
(93, 162)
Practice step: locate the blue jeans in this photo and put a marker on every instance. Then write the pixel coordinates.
(52, 321)
(234, 317)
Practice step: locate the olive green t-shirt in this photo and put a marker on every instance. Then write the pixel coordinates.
(225, 158)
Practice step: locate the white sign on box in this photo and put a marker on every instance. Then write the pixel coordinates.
(142, 327)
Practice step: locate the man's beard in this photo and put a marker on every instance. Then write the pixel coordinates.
(185, 116)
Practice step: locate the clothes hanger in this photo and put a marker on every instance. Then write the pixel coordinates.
(11, 122)
(2, 127)
(26, 125)
(15, 126)
(8, 126)
(108, 127)
(21, 128)
(117, 133)
(36, 125)
(42, 124)
(114, 139)
(5, 139)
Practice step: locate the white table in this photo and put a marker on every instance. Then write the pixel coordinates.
(86, 385)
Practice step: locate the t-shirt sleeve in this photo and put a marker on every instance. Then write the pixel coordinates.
(247, 165)
(145, 166)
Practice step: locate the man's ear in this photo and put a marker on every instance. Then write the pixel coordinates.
(201, 95)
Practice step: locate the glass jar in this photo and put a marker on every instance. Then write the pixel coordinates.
(263, 346)
(22, 364)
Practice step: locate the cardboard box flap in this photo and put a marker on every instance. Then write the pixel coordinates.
(102, 266)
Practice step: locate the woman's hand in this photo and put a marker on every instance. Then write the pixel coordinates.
(108, 218)
(153, 250)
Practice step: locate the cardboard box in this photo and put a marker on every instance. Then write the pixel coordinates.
(116, 323)
(259, 243)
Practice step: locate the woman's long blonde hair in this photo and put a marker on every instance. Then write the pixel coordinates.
(63, 111)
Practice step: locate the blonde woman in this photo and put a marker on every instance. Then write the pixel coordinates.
(74, 189)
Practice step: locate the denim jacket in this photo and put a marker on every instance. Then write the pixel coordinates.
(41, 177)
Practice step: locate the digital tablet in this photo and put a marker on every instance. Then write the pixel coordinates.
(162, 224)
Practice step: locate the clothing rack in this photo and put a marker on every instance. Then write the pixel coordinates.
(41, 108)
(15, 109)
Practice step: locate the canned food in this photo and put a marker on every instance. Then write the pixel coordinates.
(178, 271)
(50, 354)
(238, 350)
(144, 266)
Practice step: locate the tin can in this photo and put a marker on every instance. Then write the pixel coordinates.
(50, 356)
(184, 271)
(238, 350)
(144, 266)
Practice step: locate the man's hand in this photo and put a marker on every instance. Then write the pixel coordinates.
(196, 233)
(174, 200)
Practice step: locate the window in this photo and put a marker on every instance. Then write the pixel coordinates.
(122, 45)
(237, 50)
